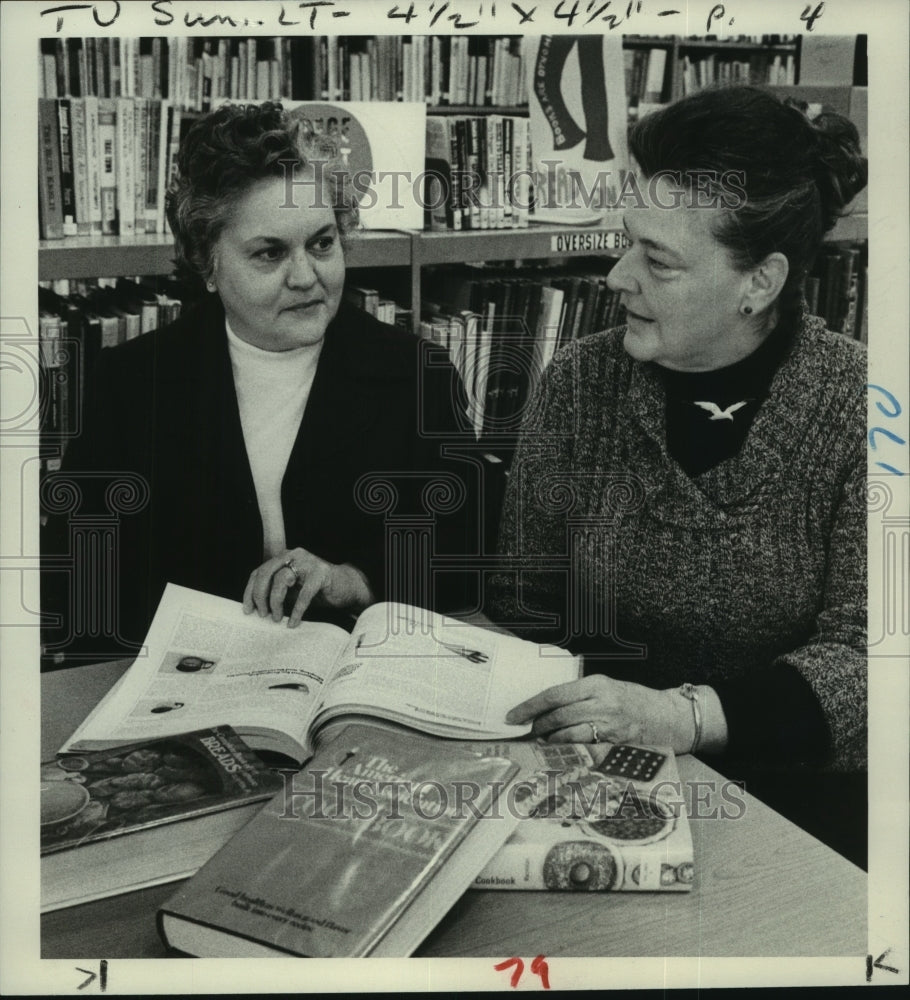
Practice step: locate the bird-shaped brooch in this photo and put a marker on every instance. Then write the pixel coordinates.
(717, 413)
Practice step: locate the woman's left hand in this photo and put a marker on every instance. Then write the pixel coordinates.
(600, 709)
(337, 585)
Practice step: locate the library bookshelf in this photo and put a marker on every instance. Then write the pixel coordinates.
(405, 263)
(152, 254)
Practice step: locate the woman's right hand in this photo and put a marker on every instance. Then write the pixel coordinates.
(341, 586)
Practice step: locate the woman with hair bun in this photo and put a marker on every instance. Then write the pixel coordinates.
(253, 417)
(701, 471)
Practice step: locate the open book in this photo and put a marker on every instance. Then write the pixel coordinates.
(206, 663)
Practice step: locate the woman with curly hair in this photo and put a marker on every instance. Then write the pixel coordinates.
(253, 417)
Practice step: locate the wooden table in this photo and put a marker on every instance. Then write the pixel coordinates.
(763, 887)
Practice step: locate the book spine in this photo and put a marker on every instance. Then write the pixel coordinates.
(49, 193)
(68, 192)
(146, 85)
(331, 58)
(474, 170)
(141, 154)
(80, 165)
(48, 73)
(586, 866)
(129, 69)
(508, 144)
(460, 170)
(164, 119)
(126, 164)
(522, 181)
(152, 164)
(107, 164)
(453, 209)
(93, 163)
(115, 68)
(174, 122)
(60, 62)
(48, 346)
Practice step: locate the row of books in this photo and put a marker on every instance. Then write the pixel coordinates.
(477, 172)
(649, 73)
(194, 73)
(386, 310)
(714, 41)
(438, 70)
(76, 320)
(837, 289)
(502, 329)
(139, 796)
(480, 70)
(772, 68)
(104, 165)
(189, 72)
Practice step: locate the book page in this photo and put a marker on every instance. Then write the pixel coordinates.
(208, 664)
(441, 674)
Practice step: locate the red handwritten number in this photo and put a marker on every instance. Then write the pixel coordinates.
(516, 975)
(538, 967)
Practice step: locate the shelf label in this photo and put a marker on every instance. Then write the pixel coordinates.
(598, 241)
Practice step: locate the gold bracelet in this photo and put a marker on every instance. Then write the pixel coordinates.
(691, 692)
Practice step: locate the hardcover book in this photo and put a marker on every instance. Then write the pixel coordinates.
(207, 664)
(606, 817)
(361, 855)
(146, 813)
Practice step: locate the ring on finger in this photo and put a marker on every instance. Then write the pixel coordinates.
(595, 737)
(289, 564)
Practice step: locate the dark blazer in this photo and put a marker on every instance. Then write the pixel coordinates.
(163, 408)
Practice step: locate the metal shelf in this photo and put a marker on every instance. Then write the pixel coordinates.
(115, 256)
(111, 256)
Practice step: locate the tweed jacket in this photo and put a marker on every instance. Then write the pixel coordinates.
(756, 565)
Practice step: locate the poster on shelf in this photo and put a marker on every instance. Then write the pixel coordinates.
(577, 107)
(381, 144)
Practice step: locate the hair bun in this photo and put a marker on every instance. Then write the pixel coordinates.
(841, 170)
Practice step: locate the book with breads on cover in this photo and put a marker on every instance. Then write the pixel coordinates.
(206, 663)
(361, 855)
(143, 814)
(606, 817)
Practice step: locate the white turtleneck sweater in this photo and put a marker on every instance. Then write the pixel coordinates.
(272, 392)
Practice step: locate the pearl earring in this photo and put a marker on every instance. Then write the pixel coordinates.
(746, 310)
(210, 285)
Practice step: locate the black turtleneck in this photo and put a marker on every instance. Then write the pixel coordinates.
(695, 440)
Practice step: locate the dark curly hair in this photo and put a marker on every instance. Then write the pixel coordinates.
(222, 156)
(798, 175)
